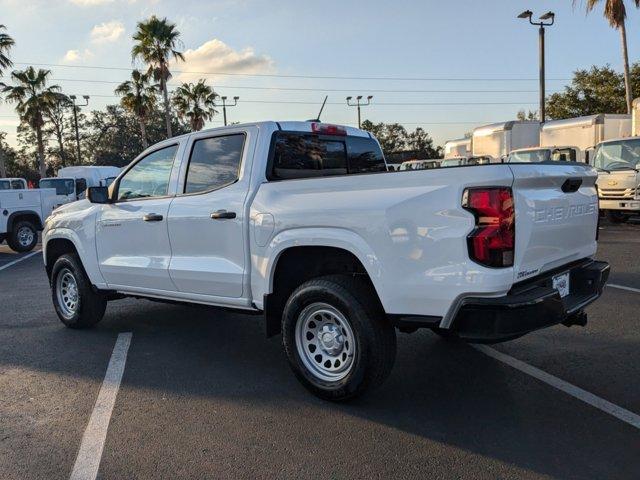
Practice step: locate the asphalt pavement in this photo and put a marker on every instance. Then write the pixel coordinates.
(205, 395)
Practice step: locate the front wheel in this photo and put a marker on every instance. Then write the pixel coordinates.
(23, 236)
(76, 304)
(336, 337)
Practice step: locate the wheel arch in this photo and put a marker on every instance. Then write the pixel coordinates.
(296, 256)
(61, 241)
(24, 215)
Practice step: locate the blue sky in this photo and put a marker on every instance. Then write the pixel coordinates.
(468, 41)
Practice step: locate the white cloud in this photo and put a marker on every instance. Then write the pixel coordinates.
(107, 32)
(75, 56)
(217, 56)
(90, 3)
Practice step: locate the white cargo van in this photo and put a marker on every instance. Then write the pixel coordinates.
(460, 147)
(71, 182)
(498, 139)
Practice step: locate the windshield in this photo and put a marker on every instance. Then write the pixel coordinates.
(529, 156)
(619, 155)
(63, 186)
(452, 162)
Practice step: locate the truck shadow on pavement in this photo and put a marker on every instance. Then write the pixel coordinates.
(231, 391)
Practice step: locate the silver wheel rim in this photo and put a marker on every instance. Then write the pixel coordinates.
(25, 236)
(67, 293)
(325, 342)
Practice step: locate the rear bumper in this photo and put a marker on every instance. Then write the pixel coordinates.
(630, 205)
(532, 305)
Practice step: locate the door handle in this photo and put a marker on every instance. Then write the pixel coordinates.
(152, 217)
(222, 215)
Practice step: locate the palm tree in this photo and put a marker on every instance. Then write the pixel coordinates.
(139, 97)
(6, 42)
(616, 13)
(32, 97)
(196, 102)
(156, 42)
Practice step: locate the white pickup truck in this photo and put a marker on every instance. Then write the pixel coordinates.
(22, 215)
(302, 222)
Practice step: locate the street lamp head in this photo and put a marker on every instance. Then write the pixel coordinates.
(526, 14)
(369, 97)
(548, 16)
(72, 97)
(359, 97)
(349, 98)
(86, 97)
(224, 97)
(236, 98)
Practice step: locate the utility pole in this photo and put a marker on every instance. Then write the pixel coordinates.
(224, 106)
(75, 120)
(547, 16)
(359, 105)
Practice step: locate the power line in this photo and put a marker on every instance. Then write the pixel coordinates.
(303, 89)
(325, 77)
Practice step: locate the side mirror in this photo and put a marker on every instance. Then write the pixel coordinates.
(98, 195)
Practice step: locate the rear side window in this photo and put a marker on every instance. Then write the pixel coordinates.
(365, 155)
(304, 156)
(214, 163)
(298, 155)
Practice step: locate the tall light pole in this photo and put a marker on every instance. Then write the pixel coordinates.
(547, 16)
(224, 106)
(75, 120)
(359, 104)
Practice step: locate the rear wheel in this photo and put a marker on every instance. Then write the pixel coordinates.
(23, 236)
(615, 216)
(336, 337)
(76, 304)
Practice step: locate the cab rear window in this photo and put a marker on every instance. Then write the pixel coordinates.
(302, 155)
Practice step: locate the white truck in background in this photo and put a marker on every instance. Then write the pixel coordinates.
(618, 165)
(71, 182)
(300, 222)
(497, 140)
(458, 148)
(585, 132)
(13, 184)
(22, 215)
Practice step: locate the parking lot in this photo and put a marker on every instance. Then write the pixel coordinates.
(205, 395)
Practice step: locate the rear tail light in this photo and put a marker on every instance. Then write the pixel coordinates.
(327, 129)
(492, 242)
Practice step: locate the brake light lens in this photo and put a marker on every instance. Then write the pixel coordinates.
(328, 129)
(492, 242)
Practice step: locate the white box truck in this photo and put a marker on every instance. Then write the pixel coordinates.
(585, 132)
(498, 139)
(460, 147)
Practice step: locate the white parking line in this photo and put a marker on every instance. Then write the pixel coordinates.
(622, 287)
(19, 260)
(90, 453)
(577, 392)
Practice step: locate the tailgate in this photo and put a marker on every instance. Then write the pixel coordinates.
(556, 208)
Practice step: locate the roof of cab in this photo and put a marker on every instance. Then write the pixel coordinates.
(291, 126)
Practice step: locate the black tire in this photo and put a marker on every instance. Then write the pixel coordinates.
(617, 217)
(374, 337)
(16, 237)
(89, 305)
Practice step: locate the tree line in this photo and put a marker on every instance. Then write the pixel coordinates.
(115, 135)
